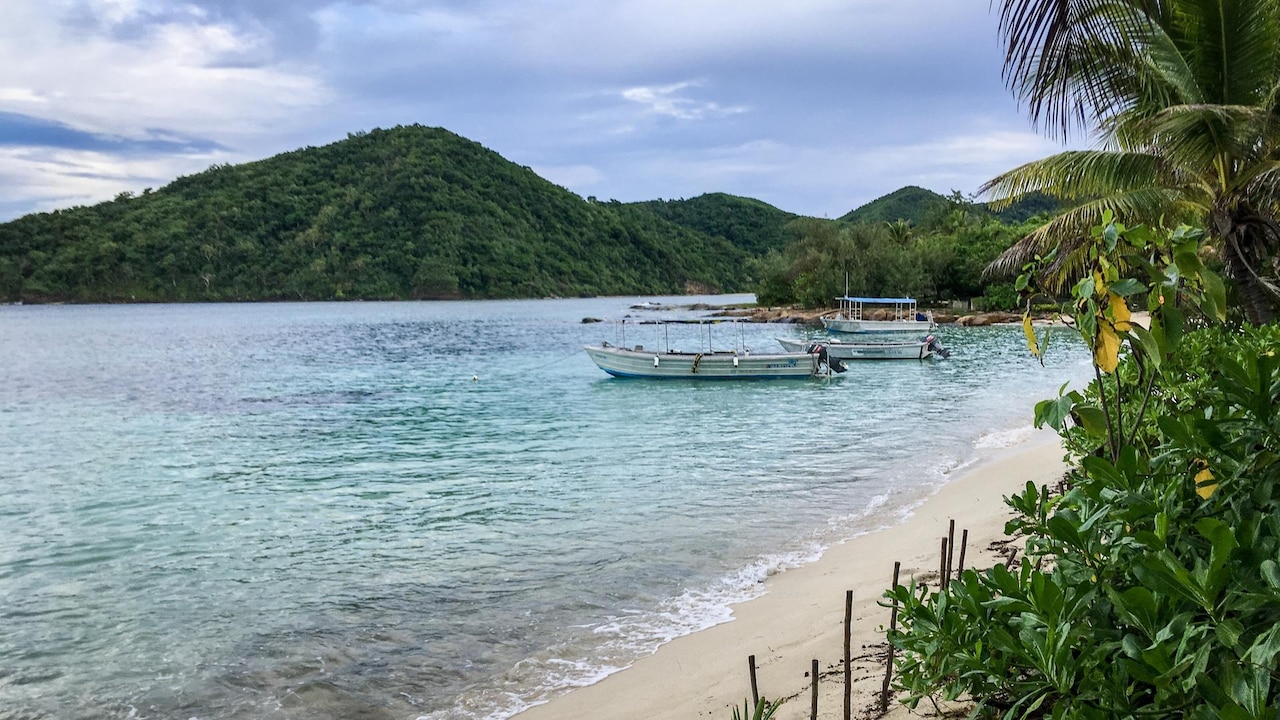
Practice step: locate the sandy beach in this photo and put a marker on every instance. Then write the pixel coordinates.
(800, 617)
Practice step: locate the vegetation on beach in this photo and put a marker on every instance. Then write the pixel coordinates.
(1163, 558)
(1151, 587)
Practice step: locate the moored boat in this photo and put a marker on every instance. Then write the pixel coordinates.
(895, 315)
(736, 364)
(887, 350)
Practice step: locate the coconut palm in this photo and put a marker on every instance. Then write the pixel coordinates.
(1182, 96)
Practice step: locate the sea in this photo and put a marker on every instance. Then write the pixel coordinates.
(430, 510)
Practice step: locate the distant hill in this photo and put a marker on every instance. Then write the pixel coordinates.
(1029, 207)
(400, 213)
(916, 205)
(910, 203)
(752, 225)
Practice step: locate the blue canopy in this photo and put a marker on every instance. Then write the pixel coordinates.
(882, 301)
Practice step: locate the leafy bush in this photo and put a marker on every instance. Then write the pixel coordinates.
(1152, 587)
(1000, 297)
(1162, 593)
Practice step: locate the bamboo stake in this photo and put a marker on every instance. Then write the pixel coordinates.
(755, 692)
(964, 545)
(813, 703)
(893, 625)
(848, 632)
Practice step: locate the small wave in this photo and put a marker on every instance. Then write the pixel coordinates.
(1000, 439)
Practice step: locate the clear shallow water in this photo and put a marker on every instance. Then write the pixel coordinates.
(312, 511)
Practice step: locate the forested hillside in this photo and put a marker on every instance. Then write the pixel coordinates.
(911, 203)
(407, 212)
(753, 225)
(919, 206)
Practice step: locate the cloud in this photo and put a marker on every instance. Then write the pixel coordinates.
(664, 100)
(811, 104)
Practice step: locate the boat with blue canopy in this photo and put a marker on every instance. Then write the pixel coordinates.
(885, 315)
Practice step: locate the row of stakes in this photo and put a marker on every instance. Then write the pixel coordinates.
(944, 575)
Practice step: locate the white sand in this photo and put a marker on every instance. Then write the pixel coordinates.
(801, 615)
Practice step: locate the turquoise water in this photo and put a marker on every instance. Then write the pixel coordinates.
(314, 511)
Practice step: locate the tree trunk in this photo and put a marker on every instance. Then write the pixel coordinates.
(1244, 256)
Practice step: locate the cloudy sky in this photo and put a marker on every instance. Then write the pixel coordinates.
(815, 106)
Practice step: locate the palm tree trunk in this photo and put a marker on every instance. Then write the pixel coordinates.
(1242, 255)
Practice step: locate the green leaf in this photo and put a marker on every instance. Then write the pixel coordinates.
(1127, 287)
(1271, 573)
(1216, 293)
(1053, 412)
(1149, 345)
(1084, 288)
(1110, 235)
(1092, 419)
(1228, 632)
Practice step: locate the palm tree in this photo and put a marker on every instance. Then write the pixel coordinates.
(1182, 96)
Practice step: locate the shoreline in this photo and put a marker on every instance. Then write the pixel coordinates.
(800, 615)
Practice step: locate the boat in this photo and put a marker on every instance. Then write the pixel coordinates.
(737, 364)
(887, 350)
(897, 315)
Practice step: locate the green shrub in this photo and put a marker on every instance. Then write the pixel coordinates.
(1151, 589)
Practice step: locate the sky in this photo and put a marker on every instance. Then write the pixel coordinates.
(814, 106)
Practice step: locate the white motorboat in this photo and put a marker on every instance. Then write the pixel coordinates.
(896, 315)
(888, 350)
(736, 364)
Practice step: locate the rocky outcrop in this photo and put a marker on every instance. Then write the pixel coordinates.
(991, 318)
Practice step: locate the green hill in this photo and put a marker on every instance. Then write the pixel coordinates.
(917, 205)
(400, 213)
(752, 225)
(910, 203)
(1029, 207)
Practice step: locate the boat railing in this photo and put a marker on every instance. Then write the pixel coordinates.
(901, 309)
(705, 340)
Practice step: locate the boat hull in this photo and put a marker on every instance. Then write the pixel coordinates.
(624, 363)
(865, 351)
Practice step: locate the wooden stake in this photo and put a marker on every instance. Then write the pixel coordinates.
(964, 545)
(893, 625)
(942, 566)
(813, 704)
(848, 632)
(951, 547)
(755, 693)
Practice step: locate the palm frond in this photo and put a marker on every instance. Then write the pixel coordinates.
(1234, 45)
(1262, 187)
(1069, 231)
(1196, 138)
(1079, 174)
(1062, 55)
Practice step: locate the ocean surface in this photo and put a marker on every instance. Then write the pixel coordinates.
(436, 510)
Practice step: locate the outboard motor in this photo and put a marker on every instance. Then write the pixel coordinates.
(933, 344)
(824, 358)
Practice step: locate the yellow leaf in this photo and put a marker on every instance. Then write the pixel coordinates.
(1030, 332)
(1205, 488)
(1106, 349)
(1119, 313)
